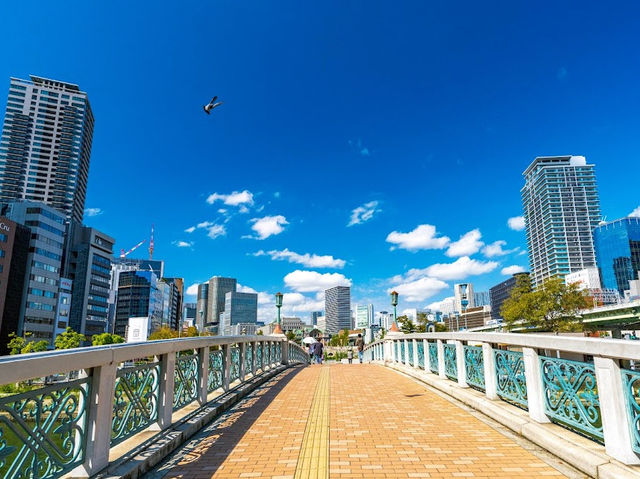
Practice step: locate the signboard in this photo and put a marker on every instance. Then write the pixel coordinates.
(138, 329)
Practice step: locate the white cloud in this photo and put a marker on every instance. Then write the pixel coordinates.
(516, 223)
(363, 213)
(423, 237)
(276, 194)
(222, 211)
(183, 244)
(437, 306)
(213, 231)
(204, 224)
(420, 289)
(312, 281)
(236, 198)
(468, 244)
(93, 211)
(459, 269)
(495, 249)
(192, 290)
(308, 260)
(268, 226)
(191, 229)
(635, 213)
(509, 270)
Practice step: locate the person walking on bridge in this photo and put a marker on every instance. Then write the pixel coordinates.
(360, 346)
(318, 351)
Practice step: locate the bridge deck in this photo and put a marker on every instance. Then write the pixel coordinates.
(349, 421)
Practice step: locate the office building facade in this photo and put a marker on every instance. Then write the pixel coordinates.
(481, 298)
(201, 306)
(239, 308)
(617, 246)
(88, 265)
(44, 265)
(361, 316)
(561, 209)
(337, 306)
(218, 287)
(501, 292)
(46, 145)
(14, 253)
(464, 296)
(189, 315)
(314, 317)
(138, 296)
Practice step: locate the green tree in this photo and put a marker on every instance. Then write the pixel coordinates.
(291, 335)
(553, 306)
(407, 326)
(441, 327)
(22, 345)
(163, 332)
(106, 338)
(191, 332)
(422, 321)
(69, 339)
(260, 333)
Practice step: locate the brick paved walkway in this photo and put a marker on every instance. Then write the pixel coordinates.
(365, 420)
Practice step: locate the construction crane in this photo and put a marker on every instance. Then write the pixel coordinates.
(151, 244)
(124, 255)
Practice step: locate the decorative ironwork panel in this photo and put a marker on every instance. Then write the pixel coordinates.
(397, 351)
(450, 361)
(279, 351)
(216, 370)
(234, 372)
(259, 356)
(402, 351)
(433, 357)
(631, 384)
(185, 389)
(511, 382)
(248, 358)
(409, 347)
(273, 354)
(43, 432)
(474, 366)
(421, 354)
(135, 405)
(571, 395)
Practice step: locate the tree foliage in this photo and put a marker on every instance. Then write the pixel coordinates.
(22, 345)
(340, 339)
(163, 332)
(553, 306)
(291, 335)
(106, 338)
(69, 339)
(407, 326)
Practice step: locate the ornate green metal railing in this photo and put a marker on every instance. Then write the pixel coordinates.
(248, 358)
(421, 354)
(409, 350)
(43, 432)
(631, 385)
(259, 357)
(402, 351)
(215, 377)
(450, 361)
(433, 357)
(135, 405)
(234, 371)
(474, 366)
(278, 352)
(186, 380)
(273, 354)
(571, 395)
(511, 382)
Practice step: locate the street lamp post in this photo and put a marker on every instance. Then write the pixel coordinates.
(278, 328)
(394, 303)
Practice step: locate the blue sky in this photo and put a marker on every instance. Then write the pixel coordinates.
(418, 113)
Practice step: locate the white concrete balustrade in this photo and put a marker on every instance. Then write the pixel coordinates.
(601, 375)
(99, 369)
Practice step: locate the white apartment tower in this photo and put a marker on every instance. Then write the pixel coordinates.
(561, 209)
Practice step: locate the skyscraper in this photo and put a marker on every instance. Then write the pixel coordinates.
(501, 292)
(239, 308)
(46, 145)
(561, 209)
(138, 296)
(337, 306)
(218, 288)
(618, 252)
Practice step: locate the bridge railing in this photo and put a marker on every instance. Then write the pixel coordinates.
(74, 405)
(587, 385)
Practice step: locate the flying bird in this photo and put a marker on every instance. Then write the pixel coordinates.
(212, 104)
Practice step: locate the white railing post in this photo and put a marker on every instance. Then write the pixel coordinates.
(415, 354)
(99, 415)
(165, 390)
(203, 374)
(243, 351)
(461, 365)
(441, 372)
(614, 411)
(535, 386)
(489, 363)
(226, 366)
(284, 348)
(427, 359)
(254, 358)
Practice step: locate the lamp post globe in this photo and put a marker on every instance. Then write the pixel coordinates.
(394, 303)
(278, 328)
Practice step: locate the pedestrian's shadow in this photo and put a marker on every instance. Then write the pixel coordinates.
(209, 448)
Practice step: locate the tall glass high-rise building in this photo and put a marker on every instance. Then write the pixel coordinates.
(618, 252)
(46, 144)
(561, 209)
(337, 306)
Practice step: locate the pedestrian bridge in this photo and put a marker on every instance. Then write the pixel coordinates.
(423, 405)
